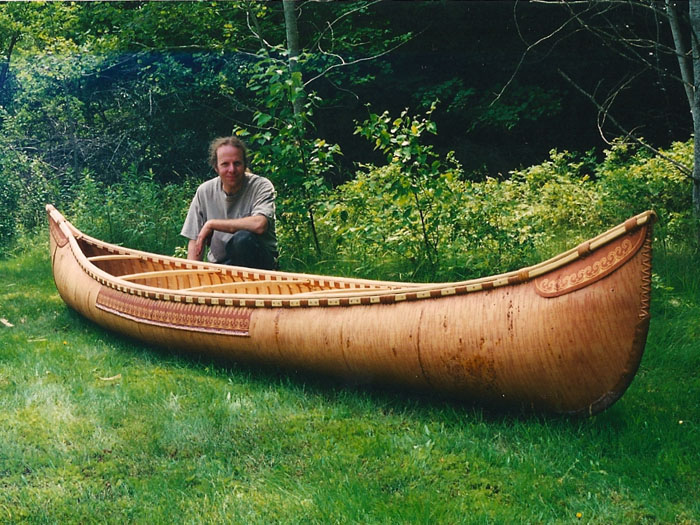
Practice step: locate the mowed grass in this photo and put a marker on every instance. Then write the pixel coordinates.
(95, 428)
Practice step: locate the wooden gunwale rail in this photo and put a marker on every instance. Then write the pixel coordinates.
(113, 257)
(338, 288)
(243, 284)
(166, 273)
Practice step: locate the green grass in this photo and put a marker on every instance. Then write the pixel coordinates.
(95, 428)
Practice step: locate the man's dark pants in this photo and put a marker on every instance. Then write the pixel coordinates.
(245, 249)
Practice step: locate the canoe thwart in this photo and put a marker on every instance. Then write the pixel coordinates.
(242, 285)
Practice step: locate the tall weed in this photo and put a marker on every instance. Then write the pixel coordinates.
(9, 196)
(481, 228)
(25, 186)
(138, 211)
(631, 180)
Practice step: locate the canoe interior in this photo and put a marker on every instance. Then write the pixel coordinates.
(166, 277)
(181, 275)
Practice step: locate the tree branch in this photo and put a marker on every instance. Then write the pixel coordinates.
(344, 63)
(329, 25)
(4, 70)
(604, 111)
(684, 61)
(257, 32)
(529, 48)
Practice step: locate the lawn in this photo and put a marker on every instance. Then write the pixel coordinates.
(95, 428)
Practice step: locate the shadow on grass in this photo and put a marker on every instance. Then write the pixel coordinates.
(355, 393)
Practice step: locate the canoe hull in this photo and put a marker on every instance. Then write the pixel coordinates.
(568, 341)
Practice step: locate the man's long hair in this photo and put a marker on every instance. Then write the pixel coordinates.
(226, 141)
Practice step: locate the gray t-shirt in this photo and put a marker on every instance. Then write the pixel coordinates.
(256, 197)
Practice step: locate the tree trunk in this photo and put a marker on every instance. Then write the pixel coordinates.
(290, 24)
(297, 95)
(694, 12)
(685, 62)
(5, 66)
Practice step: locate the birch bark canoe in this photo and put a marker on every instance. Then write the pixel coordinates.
(563, 336)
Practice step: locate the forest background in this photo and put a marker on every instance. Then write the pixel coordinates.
(409, 139)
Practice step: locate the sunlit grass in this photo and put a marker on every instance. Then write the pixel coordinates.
(95, 428)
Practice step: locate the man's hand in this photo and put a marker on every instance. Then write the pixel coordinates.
(192, 251)
(202, 240)
(195, 247)
(256, 224)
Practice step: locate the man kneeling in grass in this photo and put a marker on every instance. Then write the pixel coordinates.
(233, 213)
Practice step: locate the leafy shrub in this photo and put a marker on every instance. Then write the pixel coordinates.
(631, 180)
(137, 211)
(473, 229)
(405, 210)
(38, 187)
(417, 216)
(286, 152)
(25, 187)
(375, 220)
(558, 202)
(9, 195)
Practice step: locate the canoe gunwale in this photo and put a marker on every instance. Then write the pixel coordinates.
(343, 292)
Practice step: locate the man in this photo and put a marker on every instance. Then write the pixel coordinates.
(234, 213)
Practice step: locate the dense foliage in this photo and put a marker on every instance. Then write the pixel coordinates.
(447, 227)
(428, 222)
(106, 109)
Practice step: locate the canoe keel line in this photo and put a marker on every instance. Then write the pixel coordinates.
(564, 336)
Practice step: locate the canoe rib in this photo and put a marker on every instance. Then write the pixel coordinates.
(565, 336)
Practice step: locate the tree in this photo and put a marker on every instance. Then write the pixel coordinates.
(296, 160)
(651, 36)
(694, 101)
(8, 47)
(292, 31)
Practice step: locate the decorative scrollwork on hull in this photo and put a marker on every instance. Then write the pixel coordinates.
(192, 317)
(583, 272)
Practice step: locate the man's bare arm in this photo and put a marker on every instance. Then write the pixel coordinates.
(192, 252)
(256, 224)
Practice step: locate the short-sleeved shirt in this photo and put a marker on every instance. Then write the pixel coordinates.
(255, 197)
